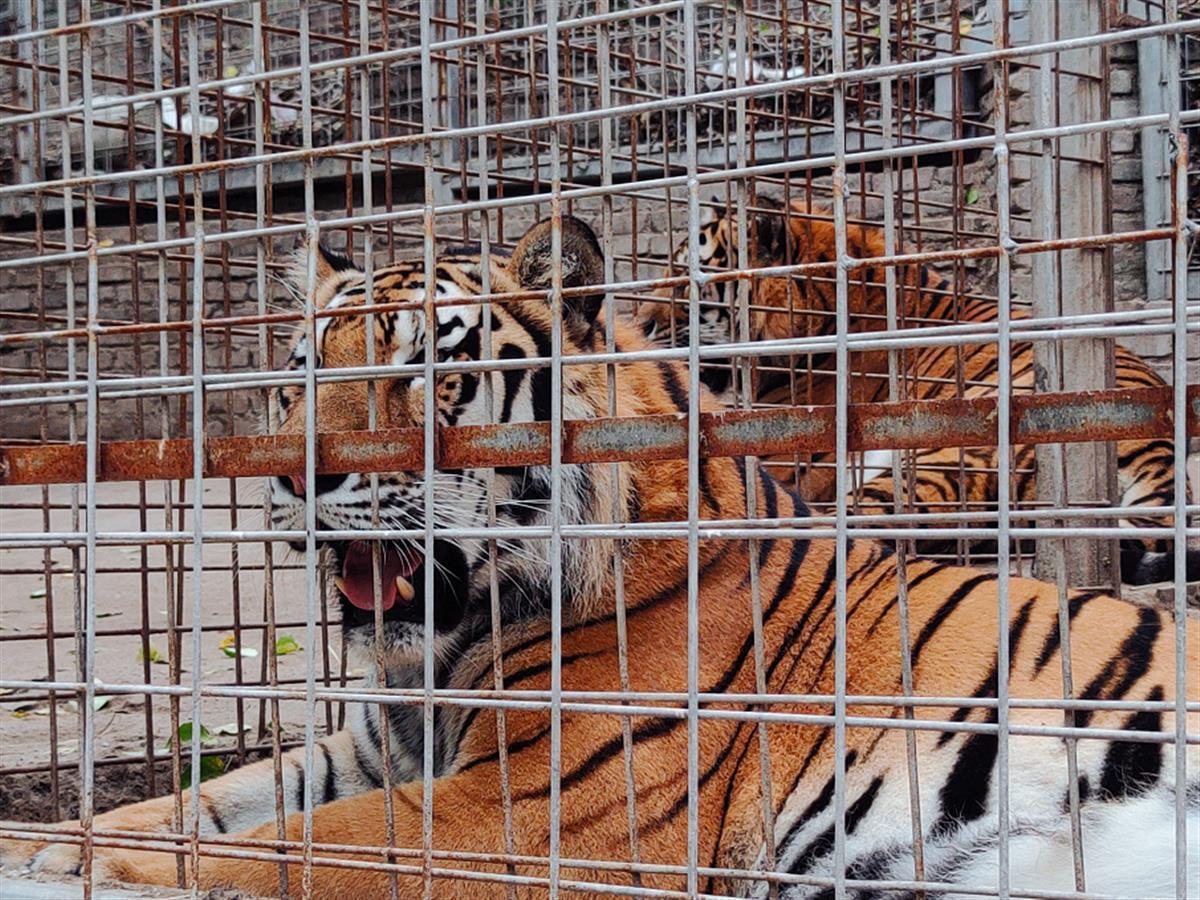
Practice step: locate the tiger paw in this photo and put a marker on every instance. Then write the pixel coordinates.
(17, 854)
(40, 856)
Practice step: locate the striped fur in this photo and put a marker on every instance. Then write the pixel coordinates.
(784, 771)
(934, 481)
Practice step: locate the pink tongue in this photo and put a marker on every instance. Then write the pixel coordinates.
(359, 580)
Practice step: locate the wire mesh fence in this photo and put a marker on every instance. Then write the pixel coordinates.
(927, 264)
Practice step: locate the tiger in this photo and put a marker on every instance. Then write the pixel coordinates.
(933, 480)
(765, 800)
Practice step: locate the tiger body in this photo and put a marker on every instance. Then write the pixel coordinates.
(1127, 788)
(933, 481)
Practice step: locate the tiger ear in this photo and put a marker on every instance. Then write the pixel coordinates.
(582, 264)
(329, 266)
(770, 237)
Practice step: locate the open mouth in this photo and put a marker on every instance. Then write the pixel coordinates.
(401, 584)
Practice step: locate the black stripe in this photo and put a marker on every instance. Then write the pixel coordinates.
(1131, 767)
(943, 612)
(364, 765)
(1142, 447)
(656, 600)
(1054, 637)
(299, 786)
(659, 727)
(964, 795)
(329, 791)
(515, 747)
(987, 687)
(824, 843)
(513, 379)
(516, 677)
(670, 379)
(539, 378)
(1135, 654)
(815, 806)
(211, 809)
(913, 582)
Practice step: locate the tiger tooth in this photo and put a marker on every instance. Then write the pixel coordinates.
(405, 589)
(340, 582)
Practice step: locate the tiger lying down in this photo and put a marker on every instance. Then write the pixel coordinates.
(1120, 652)
(938, 479)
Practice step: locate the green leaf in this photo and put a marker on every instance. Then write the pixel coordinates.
(37, 593)
(287, 644)
(207, 739)
(210, 767)
(972, 195)
(155, 656)
(98, 702)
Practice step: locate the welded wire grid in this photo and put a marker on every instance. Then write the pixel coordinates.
(196, 145)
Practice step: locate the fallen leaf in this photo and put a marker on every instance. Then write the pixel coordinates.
(37, 593)
(155, 656)
(287, 644)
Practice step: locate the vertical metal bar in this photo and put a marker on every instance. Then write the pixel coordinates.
(604, 75)
(745, 391)
(693, 456)
(1179, 375)
(842, 357)
(160, 232)
(270, 663)
(1004, 445)
(894, 393)
(489, 395)
(312, 236)
(556, 463)
(38, 135)
(92, 438)
(385, 733)
(428, 97)
(198, 431)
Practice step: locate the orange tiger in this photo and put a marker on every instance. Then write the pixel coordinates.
(943, 479)
(1120, 652)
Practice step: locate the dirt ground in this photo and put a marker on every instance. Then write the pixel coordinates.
(126, 600)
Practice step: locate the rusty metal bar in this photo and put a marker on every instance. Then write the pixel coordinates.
(1068, 417)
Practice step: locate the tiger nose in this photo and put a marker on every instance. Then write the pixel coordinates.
(325, 483)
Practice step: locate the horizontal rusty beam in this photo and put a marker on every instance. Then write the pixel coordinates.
(1047, 418)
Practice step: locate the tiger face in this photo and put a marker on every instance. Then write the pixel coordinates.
(461, 570)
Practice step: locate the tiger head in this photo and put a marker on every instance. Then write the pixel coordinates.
(779, 306)
(462, 565)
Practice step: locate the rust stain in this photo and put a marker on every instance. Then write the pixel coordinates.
(611, 440)
(915, 425)
(794, 430)
(524, 444)
(1117, 415)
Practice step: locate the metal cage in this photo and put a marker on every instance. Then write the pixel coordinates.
(160, 163)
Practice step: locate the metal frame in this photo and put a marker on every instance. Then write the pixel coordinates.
(185, 215)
